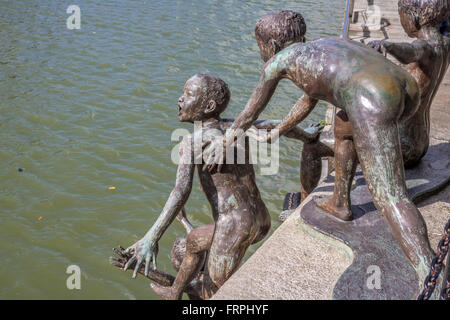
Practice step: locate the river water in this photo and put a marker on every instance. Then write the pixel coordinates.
(85, 110)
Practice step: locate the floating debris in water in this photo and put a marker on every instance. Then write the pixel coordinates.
(111, 188)
(20, 170)
(39, 218)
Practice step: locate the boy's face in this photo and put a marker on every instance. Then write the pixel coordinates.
(190, 107)
(265, 49)
(268, 49)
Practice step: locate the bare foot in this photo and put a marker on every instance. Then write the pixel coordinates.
(327, 204)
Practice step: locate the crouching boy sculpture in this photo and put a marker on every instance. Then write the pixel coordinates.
(240, 216)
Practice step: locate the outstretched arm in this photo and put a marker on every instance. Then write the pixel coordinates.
(404, 52)
(307, 135)
(179, 194)
(145, 249)
(256, 104)
(299, 112)
(260, 131)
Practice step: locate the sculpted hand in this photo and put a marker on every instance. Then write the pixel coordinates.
(379, 46)
(142, 251)
(314, 131)
(258, 135)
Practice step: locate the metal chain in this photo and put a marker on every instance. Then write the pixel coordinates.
(291, 200)
(445, 293)
(436, 267)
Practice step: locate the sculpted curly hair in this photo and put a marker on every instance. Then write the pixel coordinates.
(215, 89)
(285, 26)
(425, 12)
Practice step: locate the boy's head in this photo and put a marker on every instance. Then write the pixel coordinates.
(278, 30)
(204, 97)
(416, 14)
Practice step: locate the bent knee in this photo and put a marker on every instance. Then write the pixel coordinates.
(199, 239)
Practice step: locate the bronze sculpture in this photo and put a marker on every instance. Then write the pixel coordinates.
(379, 103)
(374, 95)
(240, 216)
(427, 61)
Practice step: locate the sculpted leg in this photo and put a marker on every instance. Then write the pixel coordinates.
(345, 161)
(311, 162)
(197, 243)
(378, 147)
(232, 238)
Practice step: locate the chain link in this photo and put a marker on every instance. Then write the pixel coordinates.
(445, 293)
(436, 267)
(291, 200)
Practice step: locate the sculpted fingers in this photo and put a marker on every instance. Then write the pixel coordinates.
(138, 265)
(147, 264)
(154, 260)
(130, 250)
(376, 45)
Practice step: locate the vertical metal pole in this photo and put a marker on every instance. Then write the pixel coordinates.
(348, 9)
(347, 19)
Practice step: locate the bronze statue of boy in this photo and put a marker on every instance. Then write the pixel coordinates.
(240, 216)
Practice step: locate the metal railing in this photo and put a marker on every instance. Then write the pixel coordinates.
(347, 18)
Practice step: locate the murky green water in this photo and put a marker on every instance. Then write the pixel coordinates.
(82, 110)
